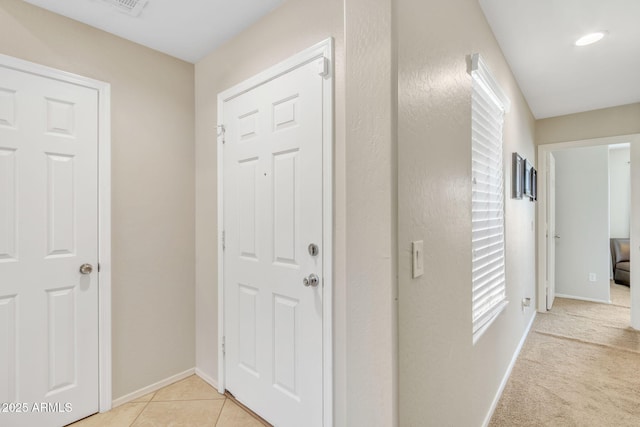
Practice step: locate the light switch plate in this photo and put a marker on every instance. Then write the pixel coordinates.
(417, 251)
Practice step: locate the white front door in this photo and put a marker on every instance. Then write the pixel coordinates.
(273, 212)
(551, 231)
(48, 229)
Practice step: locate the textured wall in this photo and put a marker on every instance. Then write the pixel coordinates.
(444, 379)
(622, 120)
(371, 214)
(152, 185)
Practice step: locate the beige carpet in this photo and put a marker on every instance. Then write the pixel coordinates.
(580, 366)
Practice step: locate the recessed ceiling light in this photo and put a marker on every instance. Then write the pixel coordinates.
(591, 38)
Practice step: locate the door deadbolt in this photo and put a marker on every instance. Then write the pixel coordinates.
(313, 249)
(312, 280)
(86, 268)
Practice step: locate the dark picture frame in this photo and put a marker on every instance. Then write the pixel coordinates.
(527, 187)
(517, 175)
(534, 185)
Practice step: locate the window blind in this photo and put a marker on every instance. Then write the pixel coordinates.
(487, 212)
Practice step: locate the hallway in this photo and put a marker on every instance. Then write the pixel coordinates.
(580, 366)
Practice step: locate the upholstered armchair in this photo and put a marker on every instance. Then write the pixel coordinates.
(620, 260)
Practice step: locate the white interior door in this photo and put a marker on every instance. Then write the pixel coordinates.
(552, 236)
(48, 229)
(273, 211)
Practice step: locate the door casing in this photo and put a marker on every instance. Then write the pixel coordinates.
(551, 231)
(323, 53)
(104, 209)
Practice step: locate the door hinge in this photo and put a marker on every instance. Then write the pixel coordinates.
(223, 241)
(224, 351)
(221, 132)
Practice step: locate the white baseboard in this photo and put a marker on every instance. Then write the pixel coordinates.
(505, 379)
(583, 299)
(153, 387)
(213, 383)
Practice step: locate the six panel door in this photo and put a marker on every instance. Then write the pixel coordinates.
(272, 213)
(48, 228)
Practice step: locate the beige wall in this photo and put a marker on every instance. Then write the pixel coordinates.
(621, 120)
(363, 191)
(152, 184)
(371, 208)
(443, 378)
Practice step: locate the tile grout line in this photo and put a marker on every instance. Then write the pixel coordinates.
(247, 410)
(221, 409)
(143, 409)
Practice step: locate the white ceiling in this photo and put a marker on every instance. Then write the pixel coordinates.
(536, 36)
(186, 29)
(557, 78)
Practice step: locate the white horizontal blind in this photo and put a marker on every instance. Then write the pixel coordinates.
(487, 212)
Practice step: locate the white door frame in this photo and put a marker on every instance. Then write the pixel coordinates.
(104, 209)
(323, 53)
(550, 236)
(542, 218)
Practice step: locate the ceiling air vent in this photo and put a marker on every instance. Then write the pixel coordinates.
(130, 7)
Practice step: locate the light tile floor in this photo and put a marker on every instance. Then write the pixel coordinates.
(190, 402)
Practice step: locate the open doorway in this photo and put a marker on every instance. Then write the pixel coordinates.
(584, 222)
(592, 206)
(620, 223)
